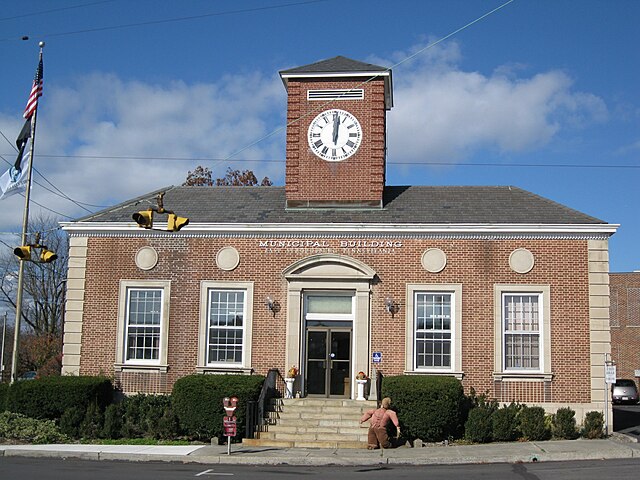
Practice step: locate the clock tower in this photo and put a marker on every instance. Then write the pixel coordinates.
(336, 134)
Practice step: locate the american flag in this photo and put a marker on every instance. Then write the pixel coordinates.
(36, 92)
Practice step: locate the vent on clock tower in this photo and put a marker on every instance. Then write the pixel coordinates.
(336, 133)
(344, 94)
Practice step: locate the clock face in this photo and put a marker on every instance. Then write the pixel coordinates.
(334, 135)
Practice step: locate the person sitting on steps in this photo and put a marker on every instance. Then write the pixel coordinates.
(381, 418)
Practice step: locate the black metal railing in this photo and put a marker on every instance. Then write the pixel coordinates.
(273, 387)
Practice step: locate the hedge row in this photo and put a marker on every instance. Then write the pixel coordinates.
(49, 397)
(197, 402)
(487, 423)
(430, 408)
(83, 406)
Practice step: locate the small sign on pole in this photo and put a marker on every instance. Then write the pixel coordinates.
(230, 426)
(610, 374)
(377, 357)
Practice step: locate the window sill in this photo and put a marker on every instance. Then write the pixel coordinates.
(221, 369)
(441, 373)
(119, 367)
(522, 376)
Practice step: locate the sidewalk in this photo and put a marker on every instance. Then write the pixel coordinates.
(615, 447)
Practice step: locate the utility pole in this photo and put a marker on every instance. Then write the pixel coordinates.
(4, 331)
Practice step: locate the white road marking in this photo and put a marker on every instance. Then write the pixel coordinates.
(211, 472)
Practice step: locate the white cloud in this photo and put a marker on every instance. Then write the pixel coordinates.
(443, 114)
(103, 115)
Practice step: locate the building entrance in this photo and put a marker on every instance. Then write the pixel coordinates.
(328, 361)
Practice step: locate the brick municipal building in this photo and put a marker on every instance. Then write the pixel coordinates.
(338, 272)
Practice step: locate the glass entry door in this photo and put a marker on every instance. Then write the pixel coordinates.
(328, 362)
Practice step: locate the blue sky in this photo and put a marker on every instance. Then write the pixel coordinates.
(541, 94)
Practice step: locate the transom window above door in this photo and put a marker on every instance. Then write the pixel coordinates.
(329, 304)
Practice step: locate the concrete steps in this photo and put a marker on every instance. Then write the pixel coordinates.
(314, 423)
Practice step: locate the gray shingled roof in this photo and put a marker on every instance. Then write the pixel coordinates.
(337, 64)
(402, 205)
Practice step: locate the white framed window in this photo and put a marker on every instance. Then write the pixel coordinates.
(434, 319)
(521, 318)
(522, 331)
(143, 324)
(225, 326)
(433, 326)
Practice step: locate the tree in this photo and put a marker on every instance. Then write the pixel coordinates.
(43, 283)
(44, 287)
(202, 176)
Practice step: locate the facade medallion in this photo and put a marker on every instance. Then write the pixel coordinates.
(521, 260)
(227, 258)
(146, 258)
(434, 260)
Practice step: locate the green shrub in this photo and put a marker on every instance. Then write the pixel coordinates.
(564, 424)
(504, 423)
(478, 427)
(92, 423)
(133, 414)
(16, 427)
(50, 397)
(593, 426)
(148, 416)
(168, 426)
(4, 391)
(429, 408)
(532, 423)
(71, 420)
(159, 420)
(197, 402)
(112, 427)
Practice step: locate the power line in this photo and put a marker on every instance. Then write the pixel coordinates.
(55, 10)
(60, 194)
(323, 104)
(273, 160)
(171, 20)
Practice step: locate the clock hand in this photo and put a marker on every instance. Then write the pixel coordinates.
(336, 126)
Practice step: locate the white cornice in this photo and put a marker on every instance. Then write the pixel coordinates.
(365, 229)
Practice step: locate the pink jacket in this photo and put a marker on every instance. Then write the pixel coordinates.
(380, 417)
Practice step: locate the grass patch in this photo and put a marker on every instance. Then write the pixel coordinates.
(139, 441)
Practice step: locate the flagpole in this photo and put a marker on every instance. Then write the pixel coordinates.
(23, 241)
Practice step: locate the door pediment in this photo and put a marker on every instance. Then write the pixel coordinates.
(326, 266)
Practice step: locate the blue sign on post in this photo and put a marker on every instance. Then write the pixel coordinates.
(377, 357)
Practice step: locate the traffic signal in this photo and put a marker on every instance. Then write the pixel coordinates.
(47, 256)
(175, 223)
(144, 218)
(23, 253)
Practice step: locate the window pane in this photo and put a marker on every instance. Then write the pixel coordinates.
(143, 324)
(433, 330)
(521, 332)
(225, 330)
(339, 304)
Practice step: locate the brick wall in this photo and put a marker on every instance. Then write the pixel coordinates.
(625, 323)
(359, 178)
(477, 264)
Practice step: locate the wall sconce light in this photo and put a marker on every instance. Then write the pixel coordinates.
(391, 306)
(271, 305)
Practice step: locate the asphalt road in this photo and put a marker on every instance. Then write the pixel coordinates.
(21, 468)
(626, 417)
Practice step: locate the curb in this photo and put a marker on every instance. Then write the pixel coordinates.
(530, 453)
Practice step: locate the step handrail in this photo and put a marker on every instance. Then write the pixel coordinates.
(272, 387)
